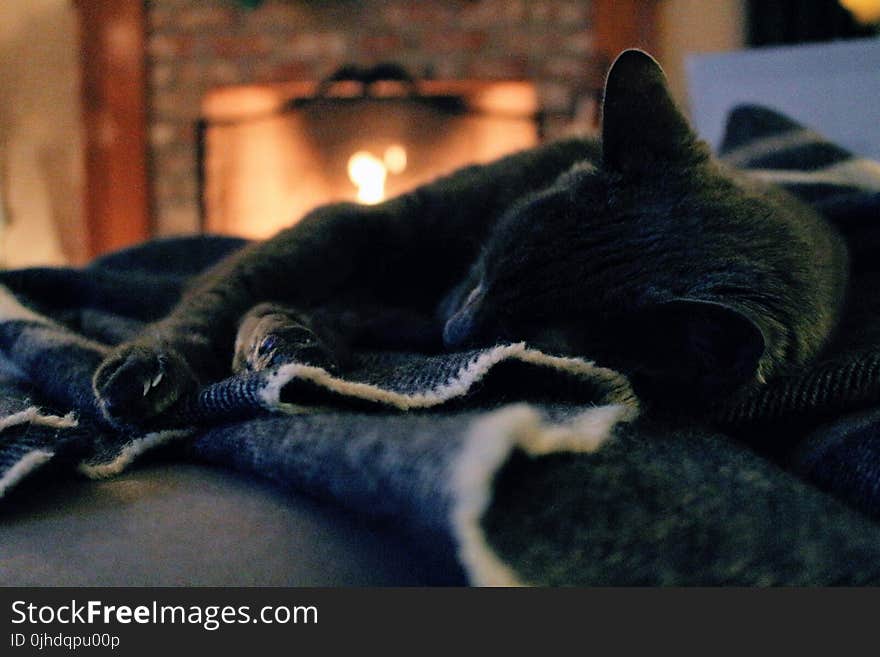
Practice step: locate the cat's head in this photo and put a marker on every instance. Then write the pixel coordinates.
(652, 260)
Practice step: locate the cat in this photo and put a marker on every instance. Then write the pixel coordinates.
(639, 252)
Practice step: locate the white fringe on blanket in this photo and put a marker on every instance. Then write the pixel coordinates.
(32, 415)
(617, 385)
(25, 465)
(130, 452)
(488, 447)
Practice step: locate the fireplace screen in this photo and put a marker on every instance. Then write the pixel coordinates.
(270, 154)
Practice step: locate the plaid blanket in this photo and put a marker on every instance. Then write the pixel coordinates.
(531, 468)
(837, 451)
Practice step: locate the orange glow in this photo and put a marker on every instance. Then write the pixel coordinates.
(265, 169)
(395, 158)
(368, 173)
(865, 11)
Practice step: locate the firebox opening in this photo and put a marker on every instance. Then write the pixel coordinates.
(271, 153)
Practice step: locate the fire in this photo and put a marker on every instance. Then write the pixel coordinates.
(395, 158)
(369, 173)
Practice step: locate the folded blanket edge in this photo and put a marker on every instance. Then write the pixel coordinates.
(488, 445)
(616, 388)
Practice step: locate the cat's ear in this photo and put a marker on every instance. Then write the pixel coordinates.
(704, 346)
(641, 125)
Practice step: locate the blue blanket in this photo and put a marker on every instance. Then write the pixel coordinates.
(531, 468)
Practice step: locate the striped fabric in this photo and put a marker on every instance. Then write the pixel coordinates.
(842, 454)
(846, 189)
(841, 185)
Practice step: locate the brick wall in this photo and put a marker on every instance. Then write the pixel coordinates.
(194, 45)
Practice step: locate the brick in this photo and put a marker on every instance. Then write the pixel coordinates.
(533, 44)
(394, 15)
(166, 46)
(162, 75)
(586, 111)
(163, 134)
(576, 12)
(556, 127)
(269, 73)
(334, 44)
(449, 41)
(304, 45)
(161, 17)
(555, 96)
(177, 219)
(380, 44)
(222, 73)
(279, 15)
(175, 105)
(571, 68)
(594, 70)
(175, 190)
(506, 68)
(437, 15)
(190, 73)
(445, 68)
(174, 161)
(580, 43)
(491, 13)
(206, 17)
(174, 3)
(239, 46)
(572, 13)
(540, 11)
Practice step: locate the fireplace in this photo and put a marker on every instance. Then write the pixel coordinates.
(223, 66)
(270, 153)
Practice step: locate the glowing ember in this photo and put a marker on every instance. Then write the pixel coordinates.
(395, 158)
(368, 172)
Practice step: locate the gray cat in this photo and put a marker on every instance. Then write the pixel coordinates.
(642, 253)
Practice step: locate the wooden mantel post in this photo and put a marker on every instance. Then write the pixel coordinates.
(622, 24)
(112, 37)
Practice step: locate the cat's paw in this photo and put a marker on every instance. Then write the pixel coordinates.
(136, 384)
(276, 339)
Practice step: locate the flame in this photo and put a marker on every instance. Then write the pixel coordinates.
(368, 172)
(395, 158)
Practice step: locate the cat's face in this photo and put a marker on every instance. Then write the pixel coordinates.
(644, 261)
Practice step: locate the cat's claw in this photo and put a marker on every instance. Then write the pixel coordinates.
(291, 347)
(150, 384)
(137, 384)
(276, 340)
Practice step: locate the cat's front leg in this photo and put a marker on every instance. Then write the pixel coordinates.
(272, 334)
(143, 380)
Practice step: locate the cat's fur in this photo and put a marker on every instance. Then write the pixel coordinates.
(643, 254)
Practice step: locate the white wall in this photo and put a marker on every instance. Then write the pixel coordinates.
(41, 168)
(696, 26)
(830, 87)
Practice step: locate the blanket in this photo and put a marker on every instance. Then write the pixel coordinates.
(530, 468)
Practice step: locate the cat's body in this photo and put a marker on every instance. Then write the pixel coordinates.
(641, 253)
